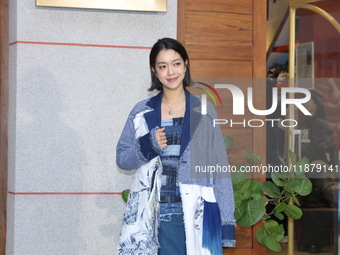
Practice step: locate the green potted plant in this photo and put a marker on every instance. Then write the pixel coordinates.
(252, 197)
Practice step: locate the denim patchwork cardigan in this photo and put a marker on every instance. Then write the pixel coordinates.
(202, 145)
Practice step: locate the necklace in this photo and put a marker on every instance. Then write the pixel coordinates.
(171, 110)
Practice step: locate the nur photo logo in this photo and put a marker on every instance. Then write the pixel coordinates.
(282, 99)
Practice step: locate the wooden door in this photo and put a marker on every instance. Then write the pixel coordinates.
(3, 120)
(227, 39)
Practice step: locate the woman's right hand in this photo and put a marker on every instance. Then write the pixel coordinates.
(161, 138)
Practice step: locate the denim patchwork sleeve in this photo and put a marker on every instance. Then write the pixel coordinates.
(228, 235)
(149, 145)
(225, 199)
(132, 153)
(223, 186)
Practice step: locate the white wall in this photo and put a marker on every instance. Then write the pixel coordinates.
(68, 104)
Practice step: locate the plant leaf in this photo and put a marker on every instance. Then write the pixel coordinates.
(274, 229)
(279, 215)
(253, 158)
(246, 185)
(271, 189)
(296, 201)
(283, 174)
(238, 198)
(125, 195)
(301, 186)
(261, 235)
(272, 244)
(283, 162)
(238, 178)
(248, 194)
(289, 187)
(254, 211)
(228, 141)
(300, 166)
(293, 212)
(265, 217)
(280, 207)
(292, 156)
(256, 186)
(277, 180)
(240, 210)
(271, 231)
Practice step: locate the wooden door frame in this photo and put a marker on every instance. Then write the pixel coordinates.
(259, 72)
(4, 30)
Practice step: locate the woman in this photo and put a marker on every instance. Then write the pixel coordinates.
(171, 208)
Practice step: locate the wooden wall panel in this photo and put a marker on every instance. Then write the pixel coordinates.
(227, 39)
(217, 28)
(232, 6)
(244, 238)
(221, 68)
(220, 52)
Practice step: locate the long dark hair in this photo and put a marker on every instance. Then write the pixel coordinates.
(167, 43)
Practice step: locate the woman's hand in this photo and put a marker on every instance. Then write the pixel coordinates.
(161, 138)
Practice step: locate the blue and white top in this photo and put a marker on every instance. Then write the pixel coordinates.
(170, 196)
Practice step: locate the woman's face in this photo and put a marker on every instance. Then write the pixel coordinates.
(170, 69)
